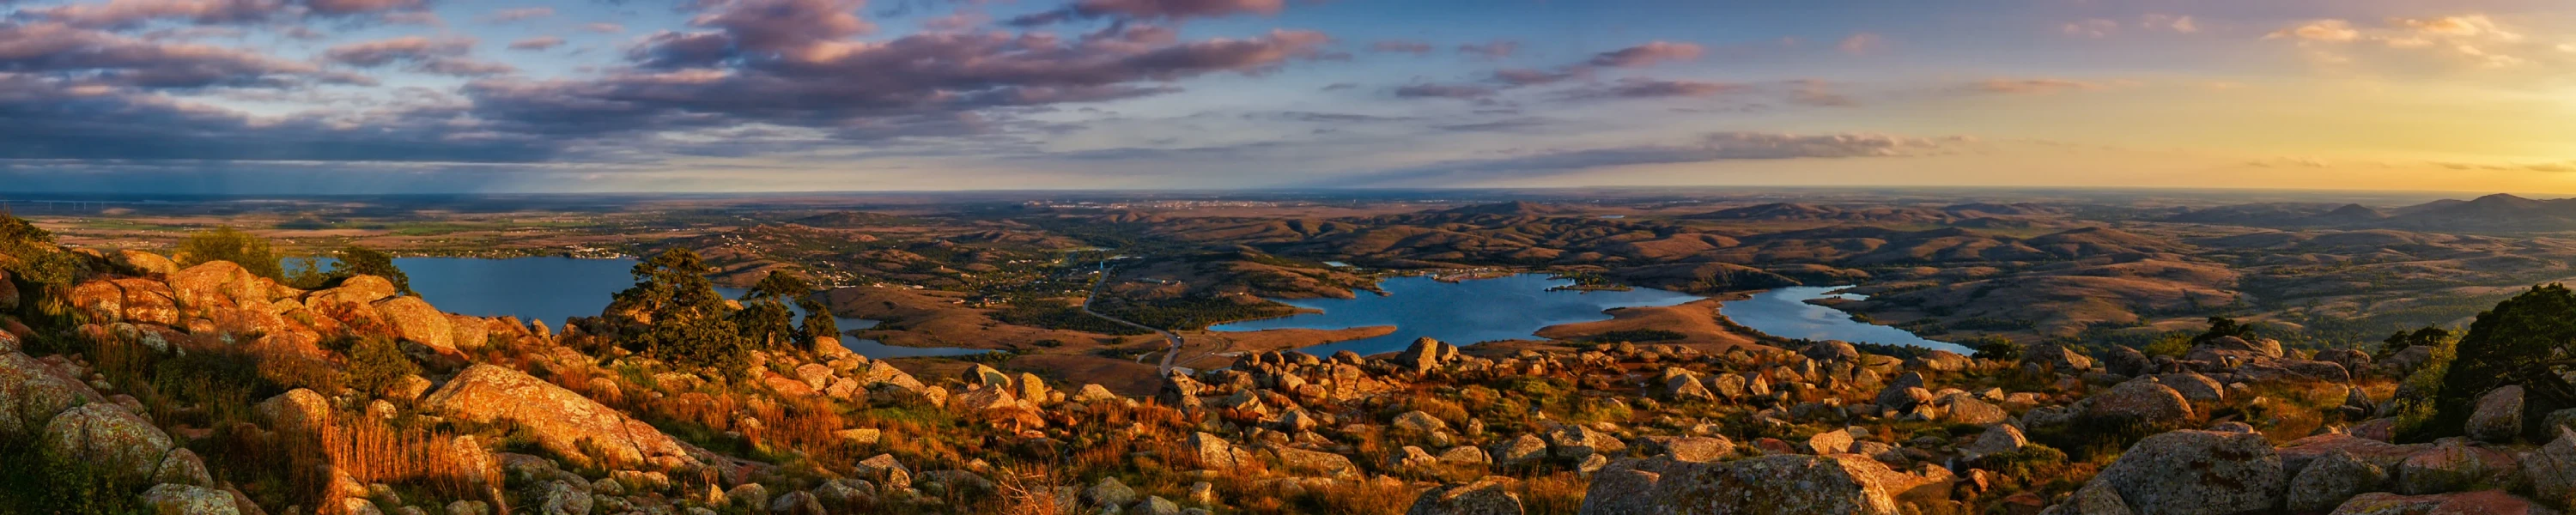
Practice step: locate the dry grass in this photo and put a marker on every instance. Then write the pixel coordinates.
(373, 451)
(1031, 491)
(1555, 494)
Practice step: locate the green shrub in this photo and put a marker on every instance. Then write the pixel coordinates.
(376, 364)
(227, 244)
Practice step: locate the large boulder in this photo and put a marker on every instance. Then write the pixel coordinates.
(1830, 350)
(2056, 358)
(2552, 469)
(2001, 438)
(108, 437)
(31, 393)
(2139, 402)
(2197, 473)
(1489, 496)
(2330, 480)
(2126, 361)
(1424, 355)
(2498, 418)
(1315, 462)
(1966, 409)
(172, 499)
(2482, 502)
(1769, 485)
(414, 319)
(2452, 464)
(563, 422)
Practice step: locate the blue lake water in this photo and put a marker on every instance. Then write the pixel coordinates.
(1785, 313)
(556, 288)
(1464, 312)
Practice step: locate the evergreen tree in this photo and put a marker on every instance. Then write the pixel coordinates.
(2526, 340)
(674, 314)
(355, 261)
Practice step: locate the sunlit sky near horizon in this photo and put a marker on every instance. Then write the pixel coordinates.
(396, 96)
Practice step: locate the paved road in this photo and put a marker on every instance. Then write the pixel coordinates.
(1165, 369)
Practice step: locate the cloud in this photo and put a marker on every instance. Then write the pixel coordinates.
(118, 60)
(446, 56)
(604, 28)
(1491, 50)
(2177, 23)
(762, 70)
(1711, 148)
(2331, 31)
(2473, 39)
(2044, 86)
(1862, 43)
(1457, 91)
(386, 51)
(1653, 88)
(1150, 10)
(1648, 54)
(53, 118)
(2096, 28)
(133, 13)
(523, 13)
(1400, 46)
(356, 7)
(537, 43)
(1517, 77)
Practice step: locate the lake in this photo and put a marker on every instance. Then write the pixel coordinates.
(1785, 313)
(556, 288)
(1508, 308)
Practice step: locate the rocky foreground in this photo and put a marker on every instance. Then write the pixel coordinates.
(207, 390)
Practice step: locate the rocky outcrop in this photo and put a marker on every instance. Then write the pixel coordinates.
(563, 422)
(2498, 418)
(2139, 402)
(2196, 473)
(32, 393)
(2482, 502)
(1489, 496)
(108, 437)
(1782, 484)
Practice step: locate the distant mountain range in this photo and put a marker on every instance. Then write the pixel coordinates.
(2491, 213)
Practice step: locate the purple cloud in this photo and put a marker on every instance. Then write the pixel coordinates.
(1151, 10)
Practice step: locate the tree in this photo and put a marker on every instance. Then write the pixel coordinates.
(1995, 347)
(819, 321)
(29, 252)
(2222, 327)
(2429, 335)
(227, 244)
(356, 261)
(376, 364)
(2526, 340)
(674, 314)
(765, 318)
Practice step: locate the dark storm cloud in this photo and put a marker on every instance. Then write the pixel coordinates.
(113, 59)
(49, 119)
(125, 14)
(780, 68)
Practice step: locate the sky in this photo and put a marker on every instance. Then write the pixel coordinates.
(447, 96)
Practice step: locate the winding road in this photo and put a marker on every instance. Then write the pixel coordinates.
(1163, 370)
